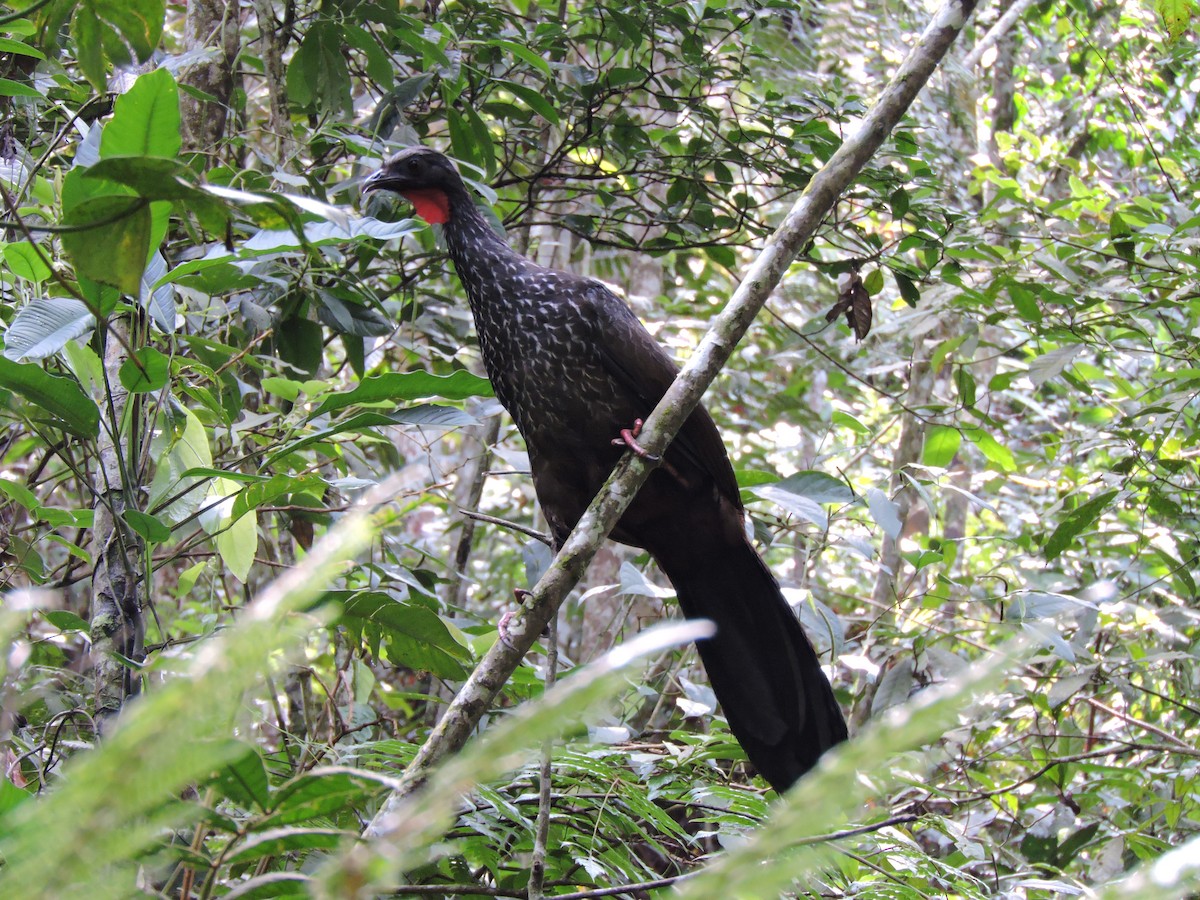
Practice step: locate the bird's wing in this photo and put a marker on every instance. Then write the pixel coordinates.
(638, 362)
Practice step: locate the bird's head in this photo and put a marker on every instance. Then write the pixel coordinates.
(424, 177)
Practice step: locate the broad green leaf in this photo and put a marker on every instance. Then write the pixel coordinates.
(236, 539)
(1176, 16)
(59, 398)
(8, 45)
(400, 386)
(110, 240)
(996, 452)
(26, 261)
(17, 492)
(146, 525)
(245, 780)
(178, 455)
(524, 53)
(317, 75)
(279, 841)
(817, 486)
(256, 494)
(534, 100)
(65, 620)
(89, 34)
(351, 318)
(147, 371)
(108, 27)
(44, 325)
(412, 635)
(804, 507)
(145, 119)
(321, 793)
(885, 512)
(300, 343)
(1076, 522)
(152, 177)
(873, 283)
(941, 444)
(10, 88)
(909, 292)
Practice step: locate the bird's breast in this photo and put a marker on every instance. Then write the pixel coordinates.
(546, 368)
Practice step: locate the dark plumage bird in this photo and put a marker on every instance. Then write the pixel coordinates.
(574, 367)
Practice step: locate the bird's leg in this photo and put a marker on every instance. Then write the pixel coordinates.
(521, 595)
(628, 439)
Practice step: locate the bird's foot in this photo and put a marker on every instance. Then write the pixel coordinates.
(628, 439)
(521, 596)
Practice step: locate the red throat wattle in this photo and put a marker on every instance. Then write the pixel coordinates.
(431, 204)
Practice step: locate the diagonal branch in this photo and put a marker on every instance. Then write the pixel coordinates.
(764, 274)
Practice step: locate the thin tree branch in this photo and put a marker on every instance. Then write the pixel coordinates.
(997, 31)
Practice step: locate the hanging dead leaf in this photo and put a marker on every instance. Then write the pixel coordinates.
(855, 302)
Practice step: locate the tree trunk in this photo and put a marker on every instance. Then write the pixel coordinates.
(211, 25)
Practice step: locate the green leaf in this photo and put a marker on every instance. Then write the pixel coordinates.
(279, 841)
(111, 241)
(351, 318)
(1026, 303)
(320, 793)
(873, 283)
(18, 493)
(413, 635)
(534, 100)
(145, 372)
(909, 292)
(43, 326)
(152, 177)
(258, 493)
(520, 51)
(10, 88)
(245, 781)
(26, 262)
(150, 528)
(817, 486)
(64, 620)
(1176, 16)
(88, 33)
(8, 45)
(996, 452)
(427, 415)
(317, 75)
(60, 398)
(100, 26)
(1077, 521)
(300, 342)
(401, 386)
(941, 443)
(236, 539)
(145, 119)
(885, 512)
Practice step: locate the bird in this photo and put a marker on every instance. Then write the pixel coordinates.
(577, 371)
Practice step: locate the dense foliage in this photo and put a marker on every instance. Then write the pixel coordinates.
(213, 348)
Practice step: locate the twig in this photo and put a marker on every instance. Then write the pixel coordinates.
(510, 525)
(997, 31)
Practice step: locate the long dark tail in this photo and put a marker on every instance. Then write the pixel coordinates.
(761, 665)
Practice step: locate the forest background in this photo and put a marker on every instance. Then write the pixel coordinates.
(213, 349)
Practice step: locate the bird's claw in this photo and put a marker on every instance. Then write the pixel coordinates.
(628, 439)
(521, 596)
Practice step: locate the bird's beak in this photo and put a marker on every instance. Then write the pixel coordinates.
(377, 180)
